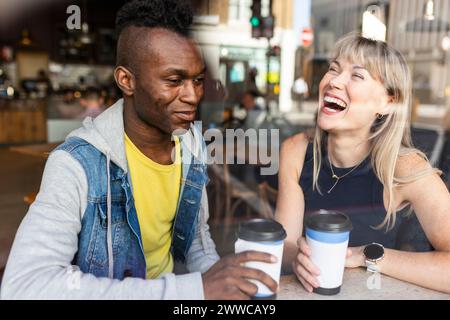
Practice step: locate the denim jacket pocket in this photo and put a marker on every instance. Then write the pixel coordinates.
(98, 249)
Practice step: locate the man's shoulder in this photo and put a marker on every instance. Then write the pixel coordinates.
(72, 144)
(81, 151)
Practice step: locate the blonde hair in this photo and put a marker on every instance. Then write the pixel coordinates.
(390, 136)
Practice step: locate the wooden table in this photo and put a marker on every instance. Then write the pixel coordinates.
(36, 150)
(355, 288)
(23, 121)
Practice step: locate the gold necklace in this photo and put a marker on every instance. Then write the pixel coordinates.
(335, 176)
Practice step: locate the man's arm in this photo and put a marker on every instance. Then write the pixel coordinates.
(39, 265)
(202, 254)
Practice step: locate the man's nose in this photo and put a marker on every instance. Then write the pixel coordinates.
(191, 93)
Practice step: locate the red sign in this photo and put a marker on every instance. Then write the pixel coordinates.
(307, 37)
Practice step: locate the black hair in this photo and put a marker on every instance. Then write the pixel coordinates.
(254, 93)
(175, 15)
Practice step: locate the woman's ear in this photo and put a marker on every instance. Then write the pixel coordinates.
(125, 80)
(387, 106)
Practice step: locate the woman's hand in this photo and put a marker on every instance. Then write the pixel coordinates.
(307, 272)
(355, 257)
(303, 268)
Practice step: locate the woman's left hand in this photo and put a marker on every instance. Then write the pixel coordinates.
(355, 257)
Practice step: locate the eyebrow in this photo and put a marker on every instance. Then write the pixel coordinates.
(354, 66)
(181, 72)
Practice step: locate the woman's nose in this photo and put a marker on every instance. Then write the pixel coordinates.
(338, 82)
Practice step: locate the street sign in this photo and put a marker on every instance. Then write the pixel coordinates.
(307, 37)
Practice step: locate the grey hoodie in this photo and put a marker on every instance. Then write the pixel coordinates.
(39, 265)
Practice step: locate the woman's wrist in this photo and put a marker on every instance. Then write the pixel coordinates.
(357, 258)
(361, 256)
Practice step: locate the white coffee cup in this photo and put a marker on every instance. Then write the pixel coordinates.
(263, 235)
(327, 234)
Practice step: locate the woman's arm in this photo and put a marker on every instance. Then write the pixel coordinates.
(290, 201)
(430, 200)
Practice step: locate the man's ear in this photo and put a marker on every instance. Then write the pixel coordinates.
(125, 80)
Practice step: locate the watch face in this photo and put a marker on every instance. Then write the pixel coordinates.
(373, 251)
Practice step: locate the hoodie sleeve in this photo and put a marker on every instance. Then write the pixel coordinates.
(202, 254)
(39, 265)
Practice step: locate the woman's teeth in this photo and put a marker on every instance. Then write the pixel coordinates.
(335, 101)
(332, 110)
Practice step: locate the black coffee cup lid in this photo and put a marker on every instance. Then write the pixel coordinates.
(328, 221)
(261, 230)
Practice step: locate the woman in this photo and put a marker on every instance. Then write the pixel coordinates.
(362, 162)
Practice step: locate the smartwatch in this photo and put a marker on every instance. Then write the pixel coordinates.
(373, 254)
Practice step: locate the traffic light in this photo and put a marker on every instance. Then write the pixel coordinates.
(268, 25)
(256, 19)
(274, 51)
(262, 27)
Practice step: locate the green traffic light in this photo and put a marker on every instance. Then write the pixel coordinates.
(255, 21)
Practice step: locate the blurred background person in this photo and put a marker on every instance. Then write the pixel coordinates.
(93, 103)
(254, 112)
(300, 92)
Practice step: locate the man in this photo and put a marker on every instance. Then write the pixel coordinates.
(116, 210)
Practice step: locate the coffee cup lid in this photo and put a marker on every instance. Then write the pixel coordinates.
(261, 230)
(328, 221)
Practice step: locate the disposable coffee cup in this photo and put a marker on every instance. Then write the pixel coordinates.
(264, 235)
(327, 234)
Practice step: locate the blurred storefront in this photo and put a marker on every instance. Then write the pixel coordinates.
(46, 67)
(241, 62)
(41, 59)
(423, 41)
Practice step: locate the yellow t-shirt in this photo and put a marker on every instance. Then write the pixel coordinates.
(156, 190)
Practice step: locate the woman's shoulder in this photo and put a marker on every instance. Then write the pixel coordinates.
(295, 146)
(410, 163)
(293, 151)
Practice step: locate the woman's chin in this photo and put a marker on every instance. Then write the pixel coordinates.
(325, 125)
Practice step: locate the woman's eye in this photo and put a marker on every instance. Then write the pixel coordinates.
(332, 69)
(357, 75)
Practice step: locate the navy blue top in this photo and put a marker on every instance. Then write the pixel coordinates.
(359, 195)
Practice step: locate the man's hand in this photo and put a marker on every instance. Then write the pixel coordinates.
(228, 279)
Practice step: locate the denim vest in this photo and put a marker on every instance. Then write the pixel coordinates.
(127, 249)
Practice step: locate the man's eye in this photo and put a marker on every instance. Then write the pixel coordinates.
(175, 81)
(357, 75)
(199, 80)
